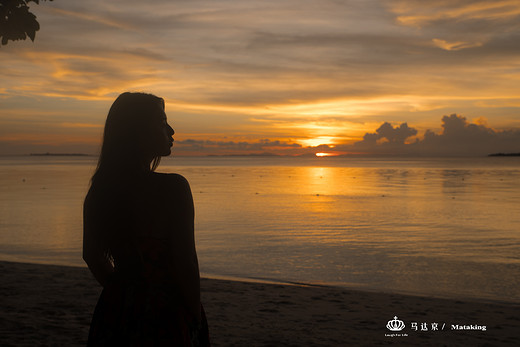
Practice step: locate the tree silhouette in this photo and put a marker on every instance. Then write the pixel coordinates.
(16, 21)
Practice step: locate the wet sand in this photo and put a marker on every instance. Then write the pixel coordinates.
(48, 305)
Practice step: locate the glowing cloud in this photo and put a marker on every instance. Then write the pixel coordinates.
(455, 46)
(418, 13)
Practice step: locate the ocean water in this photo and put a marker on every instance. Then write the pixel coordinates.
(439, 227)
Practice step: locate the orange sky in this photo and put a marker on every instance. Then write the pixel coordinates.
(262, 76)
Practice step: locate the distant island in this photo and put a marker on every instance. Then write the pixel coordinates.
(504, 155)
(59, 154)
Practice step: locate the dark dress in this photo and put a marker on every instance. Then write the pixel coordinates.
(140, 306)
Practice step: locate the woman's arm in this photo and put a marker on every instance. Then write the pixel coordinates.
(184, 255)
(93, 250)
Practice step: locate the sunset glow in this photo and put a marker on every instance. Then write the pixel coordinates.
(321, 154)
(268, 77)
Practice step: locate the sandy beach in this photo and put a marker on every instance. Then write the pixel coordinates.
(48, 305)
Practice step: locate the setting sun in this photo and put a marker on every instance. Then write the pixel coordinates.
(322, 154)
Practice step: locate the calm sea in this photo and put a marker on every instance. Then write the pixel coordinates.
(441, 227)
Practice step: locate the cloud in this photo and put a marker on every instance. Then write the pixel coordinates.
(54, 140)
(455, 25)
(191, 146)
(298, 71)
(420, 13)
(455, 46)
(458, 138)
(389, 134)
(81, 125)
(85, 16)
(247, 53)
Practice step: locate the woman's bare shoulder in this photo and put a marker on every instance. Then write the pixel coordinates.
(173, 190)
(171, 181)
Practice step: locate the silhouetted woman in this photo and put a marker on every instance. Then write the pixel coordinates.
(138, 236)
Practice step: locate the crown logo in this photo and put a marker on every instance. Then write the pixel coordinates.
(395, 324)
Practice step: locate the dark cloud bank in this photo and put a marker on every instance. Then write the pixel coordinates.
(457, 138)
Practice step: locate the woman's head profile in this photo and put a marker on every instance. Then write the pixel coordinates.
(136, 134)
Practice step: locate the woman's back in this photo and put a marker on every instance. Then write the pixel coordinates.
(146, 225)
(126, 215)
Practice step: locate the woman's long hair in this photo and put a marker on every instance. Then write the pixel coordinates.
(123, 150)
(122, 162)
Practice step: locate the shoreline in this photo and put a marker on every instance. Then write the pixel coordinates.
(53, 304)
(339, 286)
(321, 284)
(358, 288)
